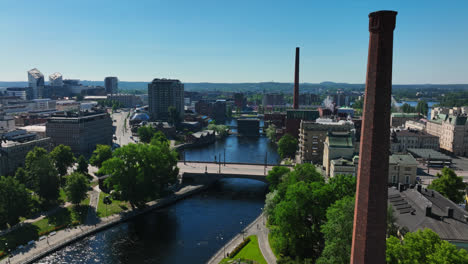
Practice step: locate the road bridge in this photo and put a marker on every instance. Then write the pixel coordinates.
(205, 172)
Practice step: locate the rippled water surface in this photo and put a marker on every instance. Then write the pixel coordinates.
(190, 231)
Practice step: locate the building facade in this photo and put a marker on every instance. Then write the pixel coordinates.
(111, 85)
(452, 131)
(402, 168)
(162, 94)
(56, 80)
(36, 83)
(81, 131)
(402, 140)
(127, 100)
(337, 145)
(399, 119)
(13, 154)
(312, 137)
(248, 127)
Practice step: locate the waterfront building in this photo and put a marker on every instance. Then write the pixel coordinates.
(56, 80)
(216, 109)
(248, 127)
(312, 137)
(399, 119)
(401, 140)
(162, 94)
(81, 131)
(452, 131)
(337, 145)
(111, 85)
(36, 83)
(201, 138)
(240, 101)
(13, 152)
(294, 118)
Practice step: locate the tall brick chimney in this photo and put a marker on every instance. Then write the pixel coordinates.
(296, 82)
(371, 193)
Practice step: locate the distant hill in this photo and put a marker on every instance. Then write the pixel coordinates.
(263, 86)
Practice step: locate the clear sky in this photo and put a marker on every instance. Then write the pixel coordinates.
(229, 41)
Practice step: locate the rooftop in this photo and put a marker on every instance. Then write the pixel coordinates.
(403, 159)
(35, 73)
(405, 115)
(413, 133)
(409, 208)
(340, 140)
(428, 154)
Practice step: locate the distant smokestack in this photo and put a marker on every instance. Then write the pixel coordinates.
(296, 82)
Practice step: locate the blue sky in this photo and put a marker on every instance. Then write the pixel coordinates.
(229, 41)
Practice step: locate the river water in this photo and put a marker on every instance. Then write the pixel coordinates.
(190, 231)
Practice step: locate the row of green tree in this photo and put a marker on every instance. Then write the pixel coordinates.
(139, 172)
(42, 176)
(311, 221)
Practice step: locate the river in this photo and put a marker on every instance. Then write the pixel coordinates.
(190, 231)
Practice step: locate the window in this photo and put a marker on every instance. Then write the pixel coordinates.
(407, 180)
(394, 179)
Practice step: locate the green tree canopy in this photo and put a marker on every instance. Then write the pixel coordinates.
(338, 232)
(62, 156)
(423, 246)
(100, 154)
(406, 108)
(41, 170)
(25, 178)
(146, 133)
(287, 146)
(14, 200)
(274, 176)
(159, 137)
(271, 132)
(449, 185)
(82, 165)
(422, 107)
(141, 171)
(77, 186)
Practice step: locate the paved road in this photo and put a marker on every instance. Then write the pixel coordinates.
(122, 132)
(258, 228)
(229, 168)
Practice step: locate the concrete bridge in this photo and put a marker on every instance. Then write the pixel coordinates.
(207, 172)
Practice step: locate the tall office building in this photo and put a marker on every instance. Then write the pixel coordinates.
(112, 85)
(36, 82)
(56, 79)
(163, 93)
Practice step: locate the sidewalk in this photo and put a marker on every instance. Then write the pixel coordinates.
(67, 236)
(257, 228)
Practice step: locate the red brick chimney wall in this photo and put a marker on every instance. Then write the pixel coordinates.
(370, 213)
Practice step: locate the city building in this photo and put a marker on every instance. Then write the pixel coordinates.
(163, 93)
(25, 93)
(13, 153)
(430, 157)
(415, 125)
(36, 83)
(111, 85)
(67, 105)
(240, 101)
(337, 145)
(312, 137)
(344, 166)
(56, 80)
(44, 104)
(127, 100)
(294, 118)
(27, 119)
(214, 109)
(345, 112)
(309, 99)
(248, 127)
(399, 119)
(81, 131)
(7, 123)
(402, 169)
(401, 140)
(420, 208)
(273, 99)
(452, 131)
(201, 138)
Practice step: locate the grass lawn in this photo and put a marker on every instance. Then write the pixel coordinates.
(251, 251)
(114, 208)
(32, 231)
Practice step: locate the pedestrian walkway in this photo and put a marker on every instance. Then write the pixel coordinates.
(62, 238)
(258, 228)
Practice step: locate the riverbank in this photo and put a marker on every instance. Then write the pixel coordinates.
(63, 238)
(258, 228)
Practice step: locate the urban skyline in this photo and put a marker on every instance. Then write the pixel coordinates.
(205, 42)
